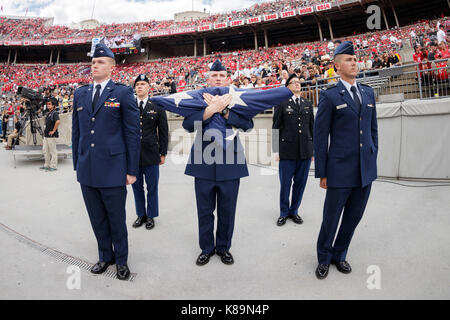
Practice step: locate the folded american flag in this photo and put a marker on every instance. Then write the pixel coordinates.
(246, 103)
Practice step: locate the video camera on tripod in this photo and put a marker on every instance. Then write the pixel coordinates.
(33, 102)
(34, 99)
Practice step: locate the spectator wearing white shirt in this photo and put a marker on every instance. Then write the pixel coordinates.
(441, 35)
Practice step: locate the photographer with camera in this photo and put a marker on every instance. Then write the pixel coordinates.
(15, 134)
(50, 135)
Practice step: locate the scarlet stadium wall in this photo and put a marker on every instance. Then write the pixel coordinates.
(303, 24)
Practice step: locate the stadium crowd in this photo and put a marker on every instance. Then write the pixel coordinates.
(38, 28)
(376, 50)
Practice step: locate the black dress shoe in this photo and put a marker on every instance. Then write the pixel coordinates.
(322, 271)
(281, 221)
(123, 273)
(150, 224)
(226, 257)
(203, 258)
(296, 218)
(139, 221)
(343, 266)
(101, 267)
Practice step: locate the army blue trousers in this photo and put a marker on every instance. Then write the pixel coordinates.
(151, 175)
(292, 171)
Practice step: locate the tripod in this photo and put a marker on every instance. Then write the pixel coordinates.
(34, 124)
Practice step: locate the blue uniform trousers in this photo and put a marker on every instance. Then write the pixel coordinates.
(151, 175)
(106, 209)
(353, 201)
(207, 193)
(296, 171)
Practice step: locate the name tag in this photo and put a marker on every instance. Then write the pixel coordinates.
(342, 106)
(110, 104)
(80, 109)
(151, 112)
(370, 105)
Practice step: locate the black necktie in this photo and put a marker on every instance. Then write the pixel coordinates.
(96, 96)
(141, 106)
(356, 99)
(297, 101)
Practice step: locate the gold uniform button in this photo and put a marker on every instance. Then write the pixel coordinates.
(92, 145)
(93, 119)
(92, 132)
(361, 145)
(361, 132)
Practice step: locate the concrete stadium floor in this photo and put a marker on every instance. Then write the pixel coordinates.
(404, 233)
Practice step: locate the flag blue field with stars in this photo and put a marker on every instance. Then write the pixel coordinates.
(246, 103)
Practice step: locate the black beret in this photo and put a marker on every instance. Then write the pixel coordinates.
(141, 77)
(292, 76)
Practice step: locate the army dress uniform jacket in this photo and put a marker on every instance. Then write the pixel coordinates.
(349, 160)
(296, 125)
(105, 137)
(155, 134)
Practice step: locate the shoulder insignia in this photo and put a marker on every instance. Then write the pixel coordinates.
(365, 85)
(121, 84)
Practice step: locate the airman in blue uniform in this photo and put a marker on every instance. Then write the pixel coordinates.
(217, 181)
(345, 149)
(106, 146)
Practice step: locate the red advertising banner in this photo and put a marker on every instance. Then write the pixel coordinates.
(287, 14)
(53, 42)
(220, 25)
(13, 43)
(75, 41)
(32, 43)
(236, 23)
(305, 10)
(254, 20)
(324, 6)
(206, 27)
(272, 16)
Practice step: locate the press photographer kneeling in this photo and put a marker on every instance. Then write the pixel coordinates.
(50, 136)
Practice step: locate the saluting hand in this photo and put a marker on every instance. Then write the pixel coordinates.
(217, 103)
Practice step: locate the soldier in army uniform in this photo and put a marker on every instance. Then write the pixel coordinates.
(154, 141)
(294, 119)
